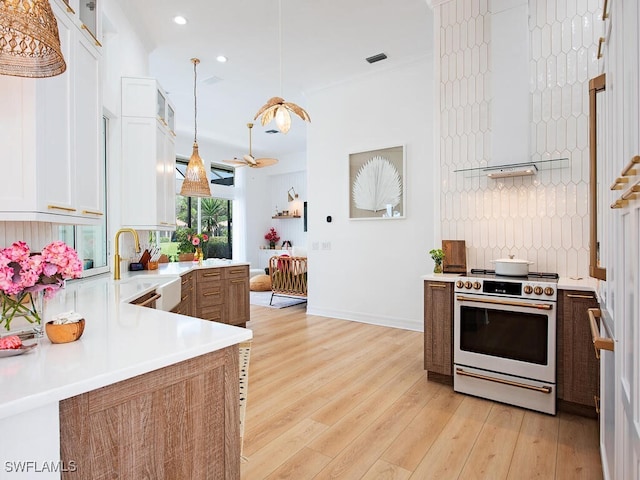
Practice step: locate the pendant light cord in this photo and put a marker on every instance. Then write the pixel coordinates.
(195, 101)
(280, 40)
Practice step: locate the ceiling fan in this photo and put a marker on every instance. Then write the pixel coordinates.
(249, 160)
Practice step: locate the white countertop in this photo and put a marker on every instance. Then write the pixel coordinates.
(120, 341)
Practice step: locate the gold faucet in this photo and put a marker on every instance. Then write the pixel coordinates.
(116, 257)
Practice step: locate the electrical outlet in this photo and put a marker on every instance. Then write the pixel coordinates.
(326, 245)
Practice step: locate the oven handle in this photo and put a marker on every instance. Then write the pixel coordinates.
(462, 372)
(511, 303)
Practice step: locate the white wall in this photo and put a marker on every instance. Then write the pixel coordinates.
(371, 272)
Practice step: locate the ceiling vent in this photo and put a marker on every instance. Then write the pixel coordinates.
(376, 58)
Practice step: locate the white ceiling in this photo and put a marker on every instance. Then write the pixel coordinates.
(324, 42)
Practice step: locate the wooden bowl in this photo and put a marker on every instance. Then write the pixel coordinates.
(64, 333)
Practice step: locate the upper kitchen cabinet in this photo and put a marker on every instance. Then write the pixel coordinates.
(148, 156)
(51, 136)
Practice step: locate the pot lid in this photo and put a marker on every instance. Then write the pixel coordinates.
(512, 260)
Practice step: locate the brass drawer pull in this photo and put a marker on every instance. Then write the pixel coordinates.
(464, 373)
(69, 9)
(184, 298)
(149, 300)
(237, 270)
(210, 294)
(596, 400)
(599, 343)
(586, 297)
(600, 42)
(629, 171)
(237, 281)
(605, 14)
(215, 274)
(437, 285)
(56, 207)
(91, 212)
(84, 27)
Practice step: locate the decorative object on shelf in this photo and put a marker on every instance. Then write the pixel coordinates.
(30, 45)
(377, 184)
(437, 255)
(291, 197)
(249, 160)
(26, 278)
(272, 237)
(286, 244)
(276, 107)
(195, 183)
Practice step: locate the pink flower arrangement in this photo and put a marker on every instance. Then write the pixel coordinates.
(198, 238)
(23, 273)
(272, 236)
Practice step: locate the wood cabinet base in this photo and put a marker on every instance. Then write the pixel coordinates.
(181, 421)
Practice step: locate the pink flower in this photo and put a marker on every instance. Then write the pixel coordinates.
(195, 241)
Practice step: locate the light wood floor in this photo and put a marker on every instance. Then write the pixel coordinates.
(336, 399)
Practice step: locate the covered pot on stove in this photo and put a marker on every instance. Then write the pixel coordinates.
(513, 267)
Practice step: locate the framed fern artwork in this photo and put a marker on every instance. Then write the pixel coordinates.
(376, 184)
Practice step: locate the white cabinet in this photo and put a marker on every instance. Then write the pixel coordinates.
(51, 156)
(148, 156)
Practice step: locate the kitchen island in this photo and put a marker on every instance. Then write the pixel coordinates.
(132, 366)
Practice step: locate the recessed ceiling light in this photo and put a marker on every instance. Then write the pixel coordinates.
(221, 58)
(180, 20)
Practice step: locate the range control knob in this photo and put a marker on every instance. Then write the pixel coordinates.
(477, 285)
(537, 290)
(468, 285)
(459, 284)
(528, 289)
(548, 291)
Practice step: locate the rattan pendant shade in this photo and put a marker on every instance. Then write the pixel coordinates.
(195, 183)
(29, 40)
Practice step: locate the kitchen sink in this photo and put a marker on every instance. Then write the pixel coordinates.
(169, 288)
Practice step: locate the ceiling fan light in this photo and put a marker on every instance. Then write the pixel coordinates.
(195, 182)
(30, 44)
(283, 119)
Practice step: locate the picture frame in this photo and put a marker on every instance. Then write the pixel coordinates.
(377, 184)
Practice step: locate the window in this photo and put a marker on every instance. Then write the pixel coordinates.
(91, 241)
(201, 215)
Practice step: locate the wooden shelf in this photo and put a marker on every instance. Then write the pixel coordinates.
(286, 216)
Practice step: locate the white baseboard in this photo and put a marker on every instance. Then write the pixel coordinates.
(403, 323)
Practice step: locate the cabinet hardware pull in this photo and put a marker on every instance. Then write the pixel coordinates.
(619, 204)
(210, 294)
(619, 183)
(237, 281)
(149, 300)
(629, 171)
(596, 400)
(91, 212)
(182, 299)
(464, 373)
(437, 285)
(586, 297)
(599, 343)
(237, 270)
(539, 306)
(216, 274)
(600, 42)
(605, 14)
(185, 281)
(84, 27)
(69, 9)
(56, 207)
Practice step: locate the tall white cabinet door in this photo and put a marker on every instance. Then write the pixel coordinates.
(88, 115)
(55, 126)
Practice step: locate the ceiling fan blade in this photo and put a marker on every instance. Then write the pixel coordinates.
(265, 162)
(236, 162)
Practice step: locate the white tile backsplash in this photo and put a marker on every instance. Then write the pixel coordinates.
(544, 218)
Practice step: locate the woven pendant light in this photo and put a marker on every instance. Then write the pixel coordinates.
(29, 40)
(195, 182)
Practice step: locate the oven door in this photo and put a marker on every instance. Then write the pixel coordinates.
(505, 335)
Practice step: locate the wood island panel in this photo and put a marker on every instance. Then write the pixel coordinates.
(181, 421)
